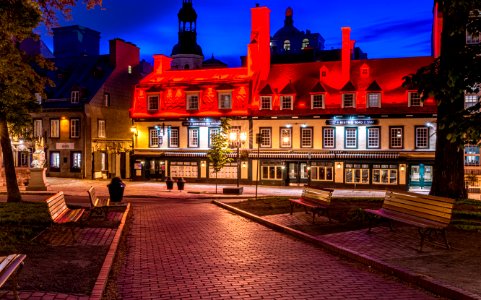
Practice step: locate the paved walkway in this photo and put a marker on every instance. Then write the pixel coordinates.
(191, 249)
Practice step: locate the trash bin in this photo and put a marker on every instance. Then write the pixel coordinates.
(180, 183)
(170, 183)
(116, 189)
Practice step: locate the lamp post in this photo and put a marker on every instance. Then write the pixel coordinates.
(258, 140)
(237, 138)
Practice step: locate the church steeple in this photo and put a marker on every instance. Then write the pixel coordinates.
(289, 20)
(186, 53)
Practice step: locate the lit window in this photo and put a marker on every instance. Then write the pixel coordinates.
(317, 101)
(266, 103)
(153, 103)
(286, 136)
(384, 174)
(396, 137)
(272, 171)
(54, 128)
(225, 100)
(37, 128)
(374, 100)
(350, 138)
(414, 99)
(306, 137)
(54, 160)
(322, 171)
(101, 129)
(286, 102)
(287, 45)
(348, 101)
(106, 99)
(193, 137)
(471, 155)
(357, 173)
(422, 137)
(153, 138)
(470, 100)
(305, 43)
(328, 137)
(266, 137)
(192, 101)
(174, 138)
(74, 128)
(129, 69)
(373, 137)
(75, 97)
(76, 161)
(213, 132)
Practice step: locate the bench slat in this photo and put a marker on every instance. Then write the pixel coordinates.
(407, 219)
(9, 264)
(409, 198)
(59, 211)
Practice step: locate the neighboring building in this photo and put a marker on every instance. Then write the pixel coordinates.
(84, 120)
(341, 123)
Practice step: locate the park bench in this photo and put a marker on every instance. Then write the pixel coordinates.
(10, 266)
(430, 214)
(316, 200)
(61, 214)
(98, 206)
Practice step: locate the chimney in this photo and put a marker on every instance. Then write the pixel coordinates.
(123, 54)
(260, 40)
(346, 54)
(75, 41)
(161, 63)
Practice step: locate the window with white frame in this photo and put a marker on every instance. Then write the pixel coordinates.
(54, 128)
(414, 99)
(322, 171)
(373, 137)
(213, 132)
(470, 100)
(174, 137)
(328, 137)
(37, 128)
(74, 128)
(153, 102)
(422, 137)
(350, 139)
(76, 161)
(192, 101)
(384, 174)
(286, 102)
(266, 137)
(306, 137)
(266, 103)
(396, 138)
(287, 45)
(471, 155)
(55, 160)
(374, 100)
(228, 171)
(356, 173)
(106, 99)
(225, 100)
(186, 169)
(193, 137)
(153, 138)
(272, 170)
(348, 100)
(286, 137)
(75, 97)
(305, 43)
(317, 101)
(101, 129)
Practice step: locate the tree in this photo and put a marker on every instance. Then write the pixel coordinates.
(219, 151)
(455, 71)
(22, 77)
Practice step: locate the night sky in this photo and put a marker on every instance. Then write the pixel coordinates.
(380, 28)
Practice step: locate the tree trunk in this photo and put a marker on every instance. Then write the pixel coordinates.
(13, 192)
(216, 182)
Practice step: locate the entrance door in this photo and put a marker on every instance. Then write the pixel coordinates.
(297, 173)
(421, 176)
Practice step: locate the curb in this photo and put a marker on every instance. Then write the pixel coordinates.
(103, 276)
(431, 285)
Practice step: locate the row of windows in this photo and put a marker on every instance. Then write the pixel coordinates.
(351, 137)
(74, 128)
(75, 98)
(75, 161)
(192, 101)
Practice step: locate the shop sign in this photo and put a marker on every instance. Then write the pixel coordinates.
(356, 122)
(201, 123)
(65, 146)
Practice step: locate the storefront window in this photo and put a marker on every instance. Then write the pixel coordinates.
(271, 171)
(384, 174)
(357, 173)
(322, 172)
(184, 169)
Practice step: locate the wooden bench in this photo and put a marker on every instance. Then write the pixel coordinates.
(98, 206)
(315, 199)
(428, 213)
(10, 266)
(61, 214)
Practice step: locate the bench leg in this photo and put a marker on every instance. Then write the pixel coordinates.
(445, 239)
(292, 207)
(422, 234)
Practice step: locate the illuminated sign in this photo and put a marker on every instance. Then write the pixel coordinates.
(357, 122)
(68, 146)
(202, 123)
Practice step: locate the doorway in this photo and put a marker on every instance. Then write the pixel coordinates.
(421, 176)
(297, 173)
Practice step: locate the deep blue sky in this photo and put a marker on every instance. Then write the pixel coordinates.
(380, 28)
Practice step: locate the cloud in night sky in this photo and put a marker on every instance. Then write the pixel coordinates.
(399, 29)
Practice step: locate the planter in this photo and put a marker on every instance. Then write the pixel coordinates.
(180, 184)
(116, 189)
(169, 183)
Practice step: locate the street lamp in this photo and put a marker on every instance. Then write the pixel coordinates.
(237, 138)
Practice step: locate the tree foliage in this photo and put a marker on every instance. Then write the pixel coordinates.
(219, 150)
(457, 70)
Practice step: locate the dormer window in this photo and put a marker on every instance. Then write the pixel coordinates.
(305, 43)
(153, 103)
(192, 101)
(348, 100)
(287, 45)
(75, 97)
(317, 101)
(286, 102)
(373, 99)
(225, 100)
(266, 102)
(414, 99)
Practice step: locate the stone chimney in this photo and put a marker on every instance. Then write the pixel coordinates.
(258, 50)
(346, 53)
(161, 63)
(123, 54)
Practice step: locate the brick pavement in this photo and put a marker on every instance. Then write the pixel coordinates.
(189, 249)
